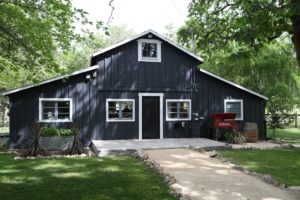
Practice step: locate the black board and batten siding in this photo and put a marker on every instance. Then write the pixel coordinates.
(120, 75)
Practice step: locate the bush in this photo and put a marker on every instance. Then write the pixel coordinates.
(49, 131)
(234, 137)
(3, 145)
(52, 131)
(65, 132)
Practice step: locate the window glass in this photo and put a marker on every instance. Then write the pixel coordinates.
(178, 110)
(55, 110)
(120, 110)
(149, 50)
(234, 106)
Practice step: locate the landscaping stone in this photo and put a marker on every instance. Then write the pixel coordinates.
(295, 188)
(267, 179)
(212, 154)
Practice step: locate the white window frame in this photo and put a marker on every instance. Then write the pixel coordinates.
(235, 100)
(55, 100)
(120, 120)
(147, 59)
(179, 119)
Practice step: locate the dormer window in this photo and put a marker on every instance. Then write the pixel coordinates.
(149, 50)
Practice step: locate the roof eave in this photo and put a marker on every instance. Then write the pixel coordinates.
(145, 33)
(50, 80)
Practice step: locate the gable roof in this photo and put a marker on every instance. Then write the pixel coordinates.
(51, 80)
(145, 33)
(233, 84)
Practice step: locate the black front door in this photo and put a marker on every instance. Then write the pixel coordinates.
(150, 117)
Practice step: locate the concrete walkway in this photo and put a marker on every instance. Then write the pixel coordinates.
(106, 147)
(204, 178)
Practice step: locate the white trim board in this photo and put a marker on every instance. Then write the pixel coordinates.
(161, 96)
(233, 84)
(142, 34)
(51, 80)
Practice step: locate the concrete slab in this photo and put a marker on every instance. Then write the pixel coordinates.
(203, 178)
(120, 146)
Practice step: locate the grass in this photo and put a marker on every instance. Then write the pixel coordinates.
(4, 131)
(282, 164)
(121, 178)
(288, 135)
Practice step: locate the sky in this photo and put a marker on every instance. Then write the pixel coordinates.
(138, 15)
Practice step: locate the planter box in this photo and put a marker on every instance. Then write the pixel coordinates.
(54, 143)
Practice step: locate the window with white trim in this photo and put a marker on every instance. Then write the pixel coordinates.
(234, 106)
(178, 109)
(121, 110)
(149, 50)
(55, 109)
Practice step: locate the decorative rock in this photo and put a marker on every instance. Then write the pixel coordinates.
(238, 167)
(294, 188)
(267, 179)
(212, 154)
(282, 186)
(185, 197)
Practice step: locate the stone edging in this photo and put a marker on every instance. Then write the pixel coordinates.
(263, 177)
(169, 179)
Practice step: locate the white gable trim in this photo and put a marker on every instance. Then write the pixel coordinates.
(233, 84)
(51, 80)
(142, 34)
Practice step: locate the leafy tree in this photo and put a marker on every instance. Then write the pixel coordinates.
(79, 55)
(259, 70)
(271, 70)
(213, 23)
(279, 113)
(32, 31)
(170, 32)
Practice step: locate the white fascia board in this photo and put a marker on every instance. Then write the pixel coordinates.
(142, 34)
(233, 84)
(51, 80)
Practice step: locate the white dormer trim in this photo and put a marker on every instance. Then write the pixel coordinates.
(147, 59)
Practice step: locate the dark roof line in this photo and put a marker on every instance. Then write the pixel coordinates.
(51, 80)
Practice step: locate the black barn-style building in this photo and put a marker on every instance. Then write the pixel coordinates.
(142, 88)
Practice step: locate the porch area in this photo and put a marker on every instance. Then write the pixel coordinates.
(124, 147)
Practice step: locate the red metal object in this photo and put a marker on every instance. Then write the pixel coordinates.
(224, 120)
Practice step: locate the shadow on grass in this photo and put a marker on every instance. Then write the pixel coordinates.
(281, 164)
(79, 178)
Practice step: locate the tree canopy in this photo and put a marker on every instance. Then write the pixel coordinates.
(213, 23)
(32, 31)
(80, 53)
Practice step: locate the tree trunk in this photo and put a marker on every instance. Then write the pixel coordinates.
(296, 28)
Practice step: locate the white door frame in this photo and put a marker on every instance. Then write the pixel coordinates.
(161, 96)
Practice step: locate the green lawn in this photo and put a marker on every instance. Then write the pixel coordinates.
(282, 164)
(288, 135)
(110, 178)
(4, 131)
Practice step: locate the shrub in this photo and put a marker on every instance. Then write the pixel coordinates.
(49, 131)
(65, 132)
(234, 137)
(3, 145)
